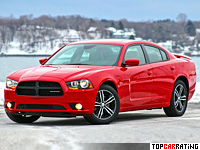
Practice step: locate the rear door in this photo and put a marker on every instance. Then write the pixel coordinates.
(163, 74)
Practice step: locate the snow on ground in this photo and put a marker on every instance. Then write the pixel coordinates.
(195, 98)
(14, 49)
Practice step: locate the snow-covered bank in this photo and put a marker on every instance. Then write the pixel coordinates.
(195, 98)
(2, 86)
(39, 40)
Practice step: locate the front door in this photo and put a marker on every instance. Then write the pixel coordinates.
(138, 79)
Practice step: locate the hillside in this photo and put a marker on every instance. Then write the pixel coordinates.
(46, 34)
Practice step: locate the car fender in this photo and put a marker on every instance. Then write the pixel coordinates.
(101, 76)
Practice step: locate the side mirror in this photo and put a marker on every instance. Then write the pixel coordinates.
(132, 62)
(42, 61)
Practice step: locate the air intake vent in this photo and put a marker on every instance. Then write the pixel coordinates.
(39, 88)
(39, 106)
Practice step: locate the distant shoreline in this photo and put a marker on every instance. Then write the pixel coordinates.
(25, 55)
(48, 55)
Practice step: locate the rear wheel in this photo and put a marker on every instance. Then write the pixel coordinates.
(179, 99)
(22, 118)
(107, 106)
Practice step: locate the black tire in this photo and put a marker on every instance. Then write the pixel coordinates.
(179, 99)
(107, 108)
(21, 118)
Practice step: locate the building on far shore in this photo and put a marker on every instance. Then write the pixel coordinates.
(124, 34)
(94, 33)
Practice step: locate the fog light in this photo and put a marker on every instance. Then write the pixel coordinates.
(78, 106)
(9, 105)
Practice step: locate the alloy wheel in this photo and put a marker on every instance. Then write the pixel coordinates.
(180, 97)
(105, 105)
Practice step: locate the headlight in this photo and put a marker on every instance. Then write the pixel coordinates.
(79, 84)
(11, 83)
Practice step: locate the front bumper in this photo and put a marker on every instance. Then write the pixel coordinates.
(52, 106)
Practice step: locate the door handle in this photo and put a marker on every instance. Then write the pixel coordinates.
(149, 73)
(172, 68)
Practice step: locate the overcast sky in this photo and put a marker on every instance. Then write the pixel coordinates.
(132, 10)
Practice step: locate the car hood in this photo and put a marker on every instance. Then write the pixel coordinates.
(67, 73)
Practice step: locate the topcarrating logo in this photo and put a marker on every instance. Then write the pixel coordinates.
(174, 146)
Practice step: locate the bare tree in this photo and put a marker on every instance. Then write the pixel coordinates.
(181, 17)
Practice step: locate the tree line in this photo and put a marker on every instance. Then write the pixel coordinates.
(178, 31)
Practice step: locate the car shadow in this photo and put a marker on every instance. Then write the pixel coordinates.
(80, 121)
(137, 116)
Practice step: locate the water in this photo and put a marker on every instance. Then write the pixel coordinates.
(10, 64)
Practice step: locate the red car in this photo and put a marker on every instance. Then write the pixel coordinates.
(98, 79)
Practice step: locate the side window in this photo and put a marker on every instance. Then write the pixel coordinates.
(153, 53)
(164, 55)
(136, 52)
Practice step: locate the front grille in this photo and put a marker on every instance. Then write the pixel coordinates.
(39, 106)
(39, 88)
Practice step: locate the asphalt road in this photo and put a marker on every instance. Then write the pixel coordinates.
(147, 126)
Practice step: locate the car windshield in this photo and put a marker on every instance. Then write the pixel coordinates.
(87, 54)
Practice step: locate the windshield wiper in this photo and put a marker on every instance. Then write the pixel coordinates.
(77, 64)
(66, 64)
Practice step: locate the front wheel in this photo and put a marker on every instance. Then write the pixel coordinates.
(22, 118)
(107, 106)
(179, 99)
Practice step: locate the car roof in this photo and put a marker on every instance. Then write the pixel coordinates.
(112, 41)
(123, 42)
(120, 42)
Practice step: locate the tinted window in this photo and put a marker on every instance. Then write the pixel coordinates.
(164, 55)
(136, 52)
(153, 53)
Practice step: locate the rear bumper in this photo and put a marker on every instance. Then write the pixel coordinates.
(52, 106)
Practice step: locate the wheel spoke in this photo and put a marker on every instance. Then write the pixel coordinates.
(111, 99)
(109, 110)
(180, 105)
(183, 98)
(101, 96)
(176, 93)
(176, 104)
(100, 114)
(181, 90)
(97, 104)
